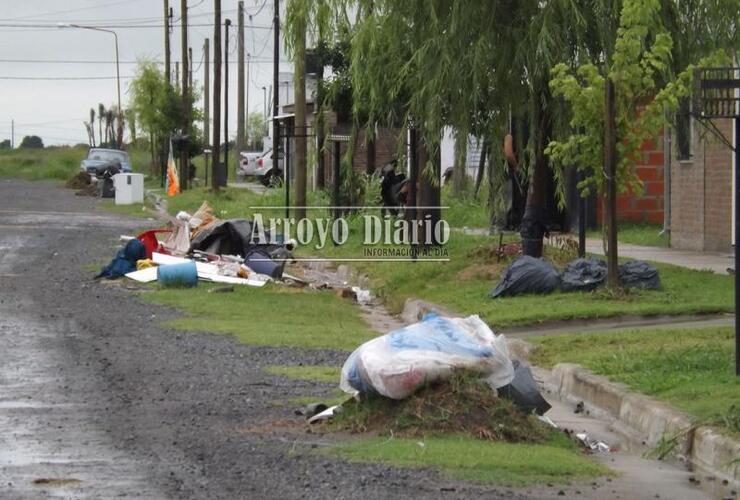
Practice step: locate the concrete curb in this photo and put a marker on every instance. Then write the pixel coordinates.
(648, 422)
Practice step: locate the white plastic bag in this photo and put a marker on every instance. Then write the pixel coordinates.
(400, 362)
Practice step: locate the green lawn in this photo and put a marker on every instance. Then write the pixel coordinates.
(478, 461)
(463, 284)
(647, 235)
(693, 369)
(272, 315)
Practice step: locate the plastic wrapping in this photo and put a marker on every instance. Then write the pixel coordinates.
(398, 363)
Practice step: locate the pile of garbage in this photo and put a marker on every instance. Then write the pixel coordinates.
(410, 371)
(531, 275)
(202, 247)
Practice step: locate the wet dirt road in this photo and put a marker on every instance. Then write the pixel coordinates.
(98, 401)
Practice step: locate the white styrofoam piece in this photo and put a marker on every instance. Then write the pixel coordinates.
(144, 275)
(208, 272)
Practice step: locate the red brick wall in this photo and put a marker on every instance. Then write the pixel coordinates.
(649, 206)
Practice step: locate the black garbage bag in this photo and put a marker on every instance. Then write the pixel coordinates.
(523, 391)
(527, 275)
(231, 237)
(583, 274)
(639, 274)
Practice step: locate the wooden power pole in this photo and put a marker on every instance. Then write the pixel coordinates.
(206, 94)
(167, 41)
(610, 173)
(276, 88)
(299, 128)
(184, 157)
(227, 25)
(216, 157)
(240, 84)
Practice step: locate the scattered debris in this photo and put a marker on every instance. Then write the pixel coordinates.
(221, 289)
(326, 414)
(50, 481)
(591, 444)
(311, 410)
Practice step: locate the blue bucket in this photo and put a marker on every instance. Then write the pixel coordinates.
(178, 275)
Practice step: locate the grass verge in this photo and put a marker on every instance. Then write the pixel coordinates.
(272, 315)
(692, 369)
(470, 459)
(328, 374)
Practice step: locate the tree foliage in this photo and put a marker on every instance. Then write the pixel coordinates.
(32, 142)
(646, 97)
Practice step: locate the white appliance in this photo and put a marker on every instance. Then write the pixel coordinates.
(129, 188)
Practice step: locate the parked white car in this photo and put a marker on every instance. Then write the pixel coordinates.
(261, 166)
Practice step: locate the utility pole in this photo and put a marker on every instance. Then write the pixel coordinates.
(177, 74)
(610, 173)
(190, 72)
(227, 25)
(206, 93)
(184, 157)
(299, 128)
(167, 41)
(216, 157)
(276, 86)
(240, 83)
(12, 134)
(246, 105)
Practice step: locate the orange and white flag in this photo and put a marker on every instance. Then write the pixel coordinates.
(173, 183)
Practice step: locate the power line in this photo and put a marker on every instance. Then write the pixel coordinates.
(64, 77)
(116, 26)
(67, 11)
(83, 61)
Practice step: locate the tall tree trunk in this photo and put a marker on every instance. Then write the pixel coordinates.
(458, 170)
(299, 90)
(610, 173)
(481, 166)
(533, 222)
(429, 189)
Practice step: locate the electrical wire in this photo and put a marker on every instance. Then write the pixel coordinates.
(73, 78)
(67, 11)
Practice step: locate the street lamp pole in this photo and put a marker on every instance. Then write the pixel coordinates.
(119, 132)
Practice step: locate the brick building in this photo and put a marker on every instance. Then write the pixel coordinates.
(701, 192)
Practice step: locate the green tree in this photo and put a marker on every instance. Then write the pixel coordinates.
(32, 142)
(5, 144)
(158, 109)
(646, 96)
(256, 130)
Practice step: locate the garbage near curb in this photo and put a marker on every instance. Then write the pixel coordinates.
(591, 444)
(124, 261)
(398, 363)
(639, 274)
(523, 391)
(583, 274)
(311, 410)
(527, 275)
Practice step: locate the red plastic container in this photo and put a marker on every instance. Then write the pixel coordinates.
(150, 241)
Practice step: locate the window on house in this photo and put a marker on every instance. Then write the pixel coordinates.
(684, 130)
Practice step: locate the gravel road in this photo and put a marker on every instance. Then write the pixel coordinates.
(99, 401)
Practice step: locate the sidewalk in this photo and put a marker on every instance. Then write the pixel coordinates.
(715, 262)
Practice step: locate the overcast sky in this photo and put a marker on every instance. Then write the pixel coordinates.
(55, 109)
